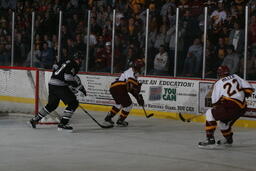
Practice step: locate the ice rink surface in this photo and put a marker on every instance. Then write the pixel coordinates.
(145, 145)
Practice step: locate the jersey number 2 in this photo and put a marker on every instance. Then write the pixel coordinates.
(228, 86)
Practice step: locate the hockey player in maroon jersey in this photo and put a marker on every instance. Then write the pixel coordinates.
(120, 89)
(64, 81)
(228, 99)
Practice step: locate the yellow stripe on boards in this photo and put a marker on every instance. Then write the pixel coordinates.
(17, 99)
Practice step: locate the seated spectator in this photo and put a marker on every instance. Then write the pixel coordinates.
(219, 15)
(47, 57)
(161, 38)
(103, 58)
(169, 5)
(236, 37)
(193, 61)
(221, 53)
(161, 62)
(35, 57)
(70, 45)
(79, 45)
(231, 60)
(92, 39)
(129, 57)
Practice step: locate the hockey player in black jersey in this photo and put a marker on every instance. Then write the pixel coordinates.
(64, 81)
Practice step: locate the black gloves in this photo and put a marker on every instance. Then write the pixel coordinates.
(247, 94)
(140, 100)
(75, 90)
(82, 89)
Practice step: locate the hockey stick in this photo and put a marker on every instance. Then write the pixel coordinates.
(102, 126)
(188, 119)
(147, 116)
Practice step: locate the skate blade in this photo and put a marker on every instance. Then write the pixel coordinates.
(121, 125)
(66, 130)
(105, 123)
(224, 145)
(215, 147)
(208, 147)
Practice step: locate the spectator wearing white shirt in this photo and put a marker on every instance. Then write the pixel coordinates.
(219, 15)
(92, 39)
(161, 62)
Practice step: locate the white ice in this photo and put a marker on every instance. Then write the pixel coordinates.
(145, 145)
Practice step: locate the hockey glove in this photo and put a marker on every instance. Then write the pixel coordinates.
(247, 95)
(137, 89)
(82, 89)
(140, 100)
(73, 89)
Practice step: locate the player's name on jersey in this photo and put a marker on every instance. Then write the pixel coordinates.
(228, 78)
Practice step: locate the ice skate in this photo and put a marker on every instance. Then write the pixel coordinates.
(108, 120)
(227, 142)
(208, 144)
(66, 127)
(33, 123)
(121, 123)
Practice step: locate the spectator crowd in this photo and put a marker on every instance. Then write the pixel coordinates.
(225, 39)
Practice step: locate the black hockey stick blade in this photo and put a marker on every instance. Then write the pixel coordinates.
(188, 119)
(182, 118)
(147, 116)
(150, 115)
(102, 126)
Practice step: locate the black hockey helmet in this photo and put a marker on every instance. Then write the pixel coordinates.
(77, 55)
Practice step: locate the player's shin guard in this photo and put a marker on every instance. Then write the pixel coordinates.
(42, 113)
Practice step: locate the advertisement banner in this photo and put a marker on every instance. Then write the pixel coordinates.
(97, 88)
(167, 95)
(170, 95)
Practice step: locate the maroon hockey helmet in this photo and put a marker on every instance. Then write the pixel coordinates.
(138, 64)
(223, 71)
